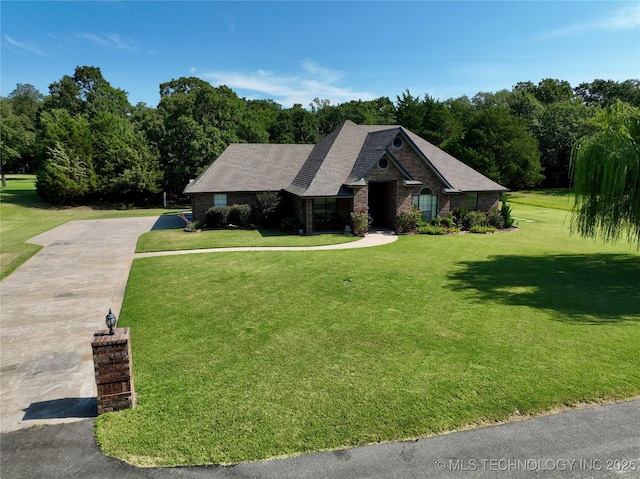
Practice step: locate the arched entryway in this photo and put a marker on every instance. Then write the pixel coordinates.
(382, 203)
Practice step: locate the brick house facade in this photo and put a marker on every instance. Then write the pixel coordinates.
(384, 169)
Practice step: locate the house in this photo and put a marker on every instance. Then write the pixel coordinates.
(383, 168)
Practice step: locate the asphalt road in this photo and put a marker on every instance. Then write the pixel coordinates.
(598, 442)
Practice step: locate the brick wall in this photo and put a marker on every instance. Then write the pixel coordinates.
(200, 203)
(112, 366)
(488, 201)
(419, 170)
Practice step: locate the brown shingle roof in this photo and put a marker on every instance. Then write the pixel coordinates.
(330, 162)
(459, 176)
(252, 167)
(343, 157)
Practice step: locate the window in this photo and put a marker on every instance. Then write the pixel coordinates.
(325, 212)
(220, 199)
(397, 142)
(427, 202)
(471, 201)
(383, 163)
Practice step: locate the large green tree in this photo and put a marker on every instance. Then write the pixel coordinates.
(66, 174)
(498, 145)
(295, 125)
(126, 169)
(199, 122)
(19, 113)
(606, 92)
(561, 126)
(606, 177)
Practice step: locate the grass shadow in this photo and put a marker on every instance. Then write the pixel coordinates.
(268, 232)
(593, 289)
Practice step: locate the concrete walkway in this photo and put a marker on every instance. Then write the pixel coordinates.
(374, 238)
(52, 305)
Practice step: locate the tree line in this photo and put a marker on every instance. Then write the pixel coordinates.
(87, 143)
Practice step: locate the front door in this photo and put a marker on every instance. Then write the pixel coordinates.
(382, 203)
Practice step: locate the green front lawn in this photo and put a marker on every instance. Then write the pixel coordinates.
(560, 199)
(177, 239)
(246, 356)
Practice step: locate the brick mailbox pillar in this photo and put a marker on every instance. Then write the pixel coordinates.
(112, 364)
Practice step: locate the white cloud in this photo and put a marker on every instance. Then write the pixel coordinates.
(311, 81)
(624, 18)
(23, 46)
(110, 40)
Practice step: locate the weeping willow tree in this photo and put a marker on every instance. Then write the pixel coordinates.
(606, 177)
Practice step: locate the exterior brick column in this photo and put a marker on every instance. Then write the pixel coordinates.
(112, 365)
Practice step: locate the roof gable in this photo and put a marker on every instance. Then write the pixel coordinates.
(458, 176)
(329, 164)
(343, 158)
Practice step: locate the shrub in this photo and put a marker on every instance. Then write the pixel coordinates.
(457, 214)
(482, 229)
(360, 221)
(408, 221)
(495, 219)
(290, 224)
(217, 216)
(430, 229)
(505, 211)
(239, 215)
(474, 218)
(266, 205)
(447, 222)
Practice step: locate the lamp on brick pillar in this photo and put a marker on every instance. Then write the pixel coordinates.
(111, 321)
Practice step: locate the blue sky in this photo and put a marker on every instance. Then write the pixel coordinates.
(293, 52)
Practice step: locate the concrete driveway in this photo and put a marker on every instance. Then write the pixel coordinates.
(51, 306)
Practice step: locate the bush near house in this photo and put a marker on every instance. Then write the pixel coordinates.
(240, 215)
(266, 207)
(291, 224)
(223, 216)
(217, 216)
(360, 221)
(482, 229)
(408, 221)
(431, 229)
(472, 221)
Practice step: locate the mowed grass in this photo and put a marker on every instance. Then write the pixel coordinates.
(560, 199)
(177, 239)
(24, 215)
(247, 356)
